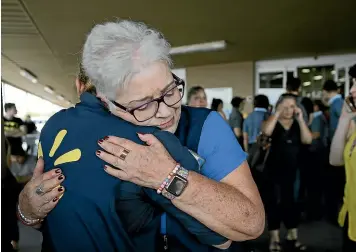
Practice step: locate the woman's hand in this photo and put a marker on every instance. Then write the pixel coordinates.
(146, 166)
(35, 205)
(299, 113)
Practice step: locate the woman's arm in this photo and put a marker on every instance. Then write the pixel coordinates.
(305, 134)
(269, 125)
(231, 207)
(245, 141)
(336, 157)
(225, 198)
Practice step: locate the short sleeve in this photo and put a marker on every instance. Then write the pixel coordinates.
(236, 121)
(219, 147)
(245, 125)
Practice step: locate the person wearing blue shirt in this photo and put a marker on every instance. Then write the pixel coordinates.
(253, 123)
(317, 160)
(335, 177)
(129, 65)
(335, 101)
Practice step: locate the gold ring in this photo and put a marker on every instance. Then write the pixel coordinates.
(124, 154)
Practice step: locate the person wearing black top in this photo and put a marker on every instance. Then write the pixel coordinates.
(236, 119)
(288, 131)
(14, 129)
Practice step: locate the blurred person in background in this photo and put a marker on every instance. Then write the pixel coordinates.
(316, 162)
(218, 105)
(30, 125)
(335, 177)
(294, 88)
(10, 190)
(197, 97)
(343, 153)
(236, 118)
(14, 129)
(253, 123)
(335, 102)
(288, 131)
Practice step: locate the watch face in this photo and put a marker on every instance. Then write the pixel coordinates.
(177, 186)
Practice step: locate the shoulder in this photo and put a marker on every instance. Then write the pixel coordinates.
(219, 147)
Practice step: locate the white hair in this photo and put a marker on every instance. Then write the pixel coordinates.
(113, 52)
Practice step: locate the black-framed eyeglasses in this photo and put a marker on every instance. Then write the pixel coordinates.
(170, 97)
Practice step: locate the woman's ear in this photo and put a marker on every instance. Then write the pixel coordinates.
(79, 86)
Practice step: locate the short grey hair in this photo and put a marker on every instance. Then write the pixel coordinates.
(113, 52)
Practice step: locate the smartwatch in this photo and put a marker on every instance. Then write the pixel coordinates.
(177, 185)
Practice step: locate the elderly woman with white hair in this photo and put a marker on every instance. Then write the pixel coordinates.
(130, 66)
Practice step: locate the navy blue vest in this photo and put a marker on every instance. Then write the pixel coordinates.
(86, 218)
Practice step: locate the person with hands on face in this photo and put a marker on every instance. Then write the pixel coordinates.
(288, 131)
(343, 152)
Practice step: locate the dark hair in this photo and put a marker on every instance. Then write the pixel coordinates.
(261, 101)
(308, 105)
(236, 101)
(83, 78)
(9, 106)
(330, 86)
(293, 84)
(215, 104)
(352, 71)
(321, 105)
(193, 91)
(285, 96)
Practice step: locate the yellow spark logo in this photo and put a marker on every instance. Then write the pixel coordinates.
(68, 157)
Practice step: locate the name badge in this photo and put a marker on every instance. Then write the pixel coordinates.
(198, 158)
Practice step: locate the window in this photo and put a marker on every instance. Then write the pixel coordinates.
(271, 80)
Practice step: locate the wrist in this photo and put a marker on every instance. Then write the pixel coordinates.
(27, 220)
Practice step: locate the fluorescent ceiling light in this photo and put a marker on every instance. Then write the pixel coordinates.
(318, 77)
(203, 47)
(306, 70)
(333, 72)
(60, 97)
(342, 79)
(49, 90)
(306, 83)
(29, 75)
(277, 76)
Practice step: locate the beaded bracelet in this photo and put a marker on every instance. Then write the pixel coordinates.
(26, 221)
(169, 177)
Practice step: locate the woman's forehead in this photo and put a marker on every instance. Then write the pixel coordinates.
(148, 82)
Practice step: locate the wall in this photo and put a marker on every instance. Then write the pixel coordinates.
(239, 76)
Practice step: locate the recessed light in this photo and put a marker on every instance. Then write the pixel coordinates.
(60, 97)
(202, 47)
(28, 75)
(49, 90)
(318, 77)
(306, 83)
(306, 70)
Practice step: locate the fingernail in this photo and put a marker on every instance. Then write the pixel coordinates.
(105, 104)
(106, 138)
(58, 170)
(105, 167)
(100, 141)
(61, 189)
(55, 199)
(98, 152)
(60, 177)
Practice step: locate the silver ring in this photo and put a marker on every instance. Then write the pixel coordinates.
(39, 190)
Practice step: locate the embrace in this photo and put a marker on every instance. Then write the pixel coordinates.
(130, 168)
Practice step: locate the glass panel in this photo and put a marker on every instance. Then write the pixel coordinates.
(271, 80)
(313, 79)
(341, 81)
